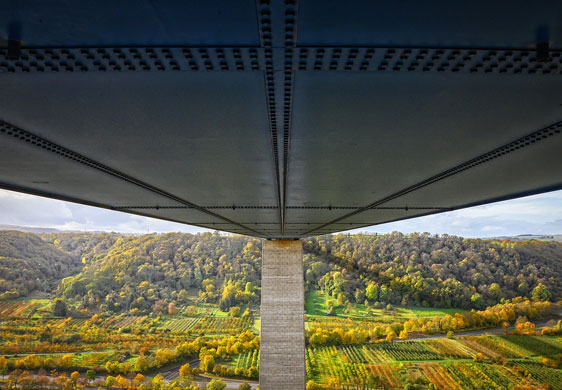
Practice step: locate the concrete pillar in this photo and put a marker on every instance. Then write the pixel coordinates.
(282, 354)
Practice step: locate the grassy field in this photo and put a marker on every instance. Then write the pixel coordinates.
(316, 305)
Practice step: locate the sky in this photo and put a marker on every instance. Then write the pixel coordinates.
(538, 214)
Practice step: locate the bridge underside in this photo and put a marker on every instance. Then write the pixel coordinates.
(280, 119)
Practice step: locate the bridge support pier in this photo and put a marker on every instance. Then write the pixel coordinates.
(282, 353)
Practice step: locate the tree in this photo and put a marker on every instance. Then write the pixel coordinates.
(172, 309)
(479, 357)
(191, 310)
(391, 336)
(372, 291)
(75, 376)
(541, 293)
(253, 372)
(159, 306)
(3, 366)
(234, 311)
(67, 361)
(139, 378)
(142, 364)
(496, 291)
(207, 363)
(158, 382)
(111, 368)
(109, 381)
(185, 371)
(90, 375)
(216, 384)
(477, 301)
(59, 308)
(183, 296)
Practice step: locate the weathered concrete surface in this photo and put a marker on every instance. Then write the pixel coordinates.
(282, 355)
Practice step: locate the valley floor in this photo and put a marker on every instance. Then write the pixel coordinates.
(39, 351)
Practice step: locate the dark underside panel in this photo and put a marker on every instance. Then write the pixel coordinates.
(280, 119)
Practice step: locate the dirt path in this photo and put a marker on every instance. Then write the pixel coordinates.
(173, 373)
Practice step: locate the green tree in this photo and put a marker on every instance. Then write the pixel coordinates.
(541, 293)
(59, 308)
(216, 384)
(477, 301)
(372, 291)
(90, 375)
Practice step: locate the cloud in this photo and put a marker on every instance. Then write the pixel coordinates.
(28, 210)
(539, 214)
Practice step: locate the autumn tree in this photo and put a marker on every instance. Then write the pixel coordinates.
(75, 376)
(139, 378)
(172, 309)
(207, 363)
(216, 384)
(391, 336)
(109, 381)
(141, 364)
(3, 366)
(185, 371)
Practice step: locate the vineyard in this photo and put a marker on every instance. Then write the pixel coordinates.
(449, 349)
(439, 376)
(17, 309)
(408, 351)
(533, 345)
(490, 347)
(447, 364)
(209, 325)
(247, 359)
(541, 373)
(350, 366)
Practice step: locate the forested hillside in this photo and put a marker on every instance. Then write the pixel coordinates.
(142, 274)
(436, 271)
(138, 272)
(28, 263)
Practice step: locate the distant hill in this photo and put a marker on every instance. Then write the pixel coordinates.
(538, 237)
(134, 273)
(33, 229)
(29, 229)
